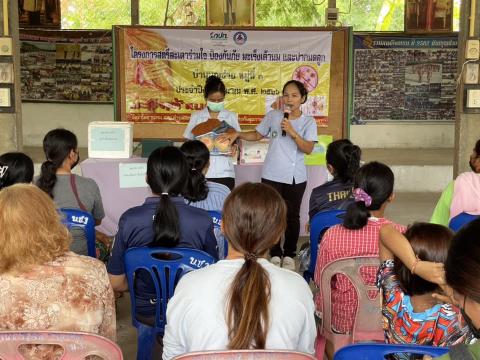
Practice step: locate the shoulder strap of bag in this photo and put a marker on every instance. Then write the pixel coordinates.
(460, 352)
(73, 184)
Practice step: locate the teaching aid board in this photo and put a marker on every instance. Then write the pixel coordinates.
(160, 74)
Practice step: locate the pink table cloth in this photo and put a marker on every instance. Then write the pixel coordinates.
(117, 200)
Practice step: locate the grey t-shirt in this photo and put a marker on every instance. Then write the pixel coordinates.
(89, 195)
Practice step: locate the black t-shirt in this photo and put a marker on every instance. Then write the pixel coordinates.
(332, 195)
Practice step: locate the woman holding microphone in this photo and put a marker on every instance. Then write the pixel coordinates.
(292, 134)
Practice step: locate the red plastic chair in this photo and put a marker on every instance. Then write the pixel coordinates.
(75, 345)
(246, 355)
(368, 318)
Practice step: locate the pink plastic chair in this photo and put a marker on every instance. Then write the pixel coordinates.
(246, 355)
(368, 319)
(76, 345)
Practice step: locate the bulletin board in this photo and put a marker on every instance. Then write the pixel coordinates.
(160, 73)
(66, 66)
(404, 78)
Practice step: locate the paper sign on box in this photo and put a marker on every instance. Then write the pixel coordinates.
(132, 175)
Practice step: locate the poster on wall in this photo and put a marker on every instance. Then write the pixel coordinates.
(39, 13)
(230, 12)
(163, 71)
(404, 78)
(60, 68)
(428, 16)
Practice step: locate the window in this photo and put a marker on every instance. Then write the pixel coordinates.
(180, 12)
(94, 14)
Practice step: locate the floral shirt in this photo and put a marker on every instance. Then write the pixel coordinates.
(71, 293)
(441, 325)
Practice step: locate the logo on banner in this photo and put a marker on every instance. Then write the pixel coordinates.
(240, 38)
(218, 36)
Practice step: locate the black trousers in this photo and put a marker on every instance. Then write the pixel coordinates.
(292, 194)
(227, 181)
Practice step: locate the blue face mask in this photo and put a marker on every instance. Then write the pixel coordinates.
(215, 106)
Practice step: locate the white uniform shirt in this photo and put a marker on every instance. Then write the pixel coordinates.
(284, 161)
(220, 166)
(196, 318)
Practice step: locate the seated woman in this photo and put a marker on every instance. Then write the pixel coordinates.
(199, 192)
(343, 161)
(461, 271)
(266, 307)
(66, 189)
(163, 220)
(357, 236)
(43, 285)
(411, 314)
(15, 168)
(461, 194)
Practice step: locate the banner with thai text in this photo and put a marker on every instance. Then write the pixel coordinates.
(164, 71)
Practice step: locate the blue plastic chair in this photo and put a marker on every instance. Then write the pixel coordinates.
(221, 241)
(457, 222)
(319, 224)
(75, 218)
(378, 351)
(166, 266)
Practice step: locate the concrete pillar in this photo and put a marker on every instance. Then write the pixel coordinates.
(11, 123)
(467, 125)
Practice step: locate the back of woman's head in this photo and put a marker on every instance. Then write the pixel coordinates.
(15, 168)
(254, 219)
(430, 242)
(463, 261)
(166, 175)
(57, 145)
(373, 185)
(344, 157)
(31, 231)
(198, 156)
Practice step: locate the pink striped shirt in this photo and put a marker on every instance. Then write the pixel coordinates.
(340, 242)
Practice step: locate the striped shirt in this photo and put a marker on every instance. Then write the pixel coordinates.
(217, 193)
(340, 242)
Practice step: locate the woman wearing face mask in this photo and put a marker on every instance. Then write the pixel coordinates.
(66, 189)
(221, 167)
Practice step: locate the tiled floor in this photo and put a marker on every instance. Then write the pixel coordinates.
(405, 209)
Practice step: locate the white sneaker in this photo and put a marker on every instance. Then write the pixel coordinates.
(276, 260)
(288, 263)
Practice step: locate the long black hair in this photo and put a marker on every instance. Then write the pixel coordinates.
(15, 167)
(166, 175)
(375, 179)
(198, 156)
(344, 157)
(57, 145)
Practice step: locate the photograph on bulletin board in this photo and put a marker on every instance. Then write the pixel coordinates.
(428, 16)
(230, 12)
(39, 13)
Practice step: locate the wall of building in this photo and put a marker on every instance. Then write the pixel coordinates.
(38, 118)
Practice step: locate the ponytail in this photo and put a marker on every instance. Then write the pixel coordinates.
(198, 156)
(247, 314)
(352, 156)
(254, 219)
(48, 177)
(356, 216)
(166, 223)
(373, 186)
(166, 176)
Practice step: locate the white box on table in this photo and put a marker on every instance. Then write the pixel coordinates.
(110, 140)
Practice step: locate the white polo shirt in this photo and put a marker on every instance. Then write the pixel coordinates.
(284, 161)
(220, 166)
(196, 319)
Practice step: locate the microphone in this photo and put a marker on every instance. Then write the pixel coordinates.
(286, 114)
